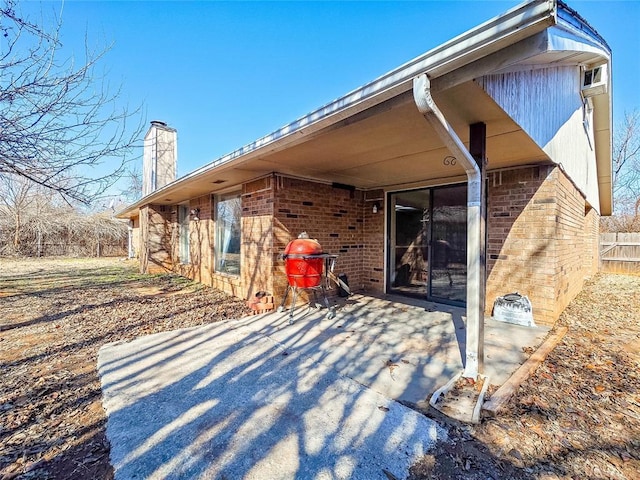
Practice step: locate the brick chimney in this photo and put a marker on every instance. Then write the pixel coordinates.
(159, 164)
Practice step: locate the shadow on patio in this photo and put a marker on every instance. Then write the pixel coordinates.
(400, 347)
(258, 398)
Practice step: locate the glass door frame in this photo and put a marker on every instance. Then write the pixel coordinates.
(391, 247)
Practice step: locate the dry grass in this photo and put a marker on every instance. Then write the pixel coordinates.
(56, 314)
(577, 417)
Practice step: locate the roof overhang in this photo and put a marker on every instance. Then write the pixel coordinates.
(360, 138)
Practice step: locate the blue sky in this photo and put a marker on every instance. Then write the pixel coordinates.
(226, 73)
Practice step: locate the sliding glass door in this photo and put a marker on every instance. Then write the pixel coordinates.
(427, 243)
(409, 242)
(449, 244)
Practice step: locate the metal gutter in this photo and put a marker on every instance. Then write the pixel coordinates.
(570, 17)
(475, 300)
(515, 24)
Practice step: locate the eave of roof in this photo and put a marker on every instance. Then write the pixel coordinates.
(570, 17)
(515, 24)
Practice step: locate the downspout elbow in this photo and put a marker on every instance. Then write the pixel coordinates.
(422, 95)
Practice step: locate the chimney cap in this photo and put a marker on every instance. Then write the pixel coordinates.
(158, 123)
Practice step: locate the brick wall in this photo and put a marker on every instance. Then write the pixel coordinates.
(537, 241)
(156, 234)
(143, 252)
(542, 238)
(592, 242)
(331, 215)
(135, 236)
(201, 266)
(571, 251)
(200, 241)
(275, 210)
(257, 257)
(521, 238)
(373, 240)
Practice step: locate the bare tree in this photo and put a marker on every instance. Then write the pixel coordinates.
(626, 176)
(132, 190)
(15, 200)
(35, 222)
(626, 164)
(620, 223)
(28, 214)
(58, 118)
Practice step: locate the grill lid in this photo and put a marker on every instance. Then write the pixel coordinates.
(302, 247)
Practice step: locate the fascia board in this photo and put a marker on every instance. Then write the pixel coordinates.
(577, 31)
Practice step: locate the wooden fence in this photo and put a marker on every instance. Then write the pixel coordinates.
(620, 252)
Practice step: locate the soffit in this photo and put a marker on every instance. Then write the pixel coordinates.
(390, 145)
(397, 145)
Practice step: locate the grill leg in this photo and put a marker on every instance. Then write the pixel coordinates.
(331, 311)
(293, 305)
(284, 299)
(316, 304)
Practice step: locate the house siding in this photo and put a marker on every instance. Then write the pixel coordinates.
(570, 252)
(373, 258)
(592, 242)
(159, 158)
(257, 252)
(557, 119)
(201, 249)
(136, 236)
(542, 237)
(198, 267)
(157, 236)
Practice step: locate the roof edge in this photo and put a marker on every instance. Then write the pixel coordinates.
(517, 23)
(577, 21)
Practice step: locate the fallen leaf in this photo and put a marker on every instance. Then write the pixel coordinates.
(389, 475)
(537, 429)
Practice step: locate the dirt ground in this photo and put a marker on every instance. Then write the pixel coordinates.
(577, 417)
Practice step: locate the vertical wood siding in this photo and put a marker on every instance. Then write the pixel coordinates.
(547, 104)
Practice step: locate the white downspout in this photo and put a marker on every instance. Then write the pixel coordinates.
(475, 306)
(130, 239)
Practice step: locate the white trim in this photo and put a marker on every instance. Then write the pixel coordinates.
(184, 224)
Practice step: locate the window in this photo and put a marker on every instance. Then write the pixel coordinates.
(227, 239)
(183, 233)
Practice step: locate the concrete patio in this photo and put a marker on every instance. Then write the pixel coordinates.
(400, 347)
(259, 398)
